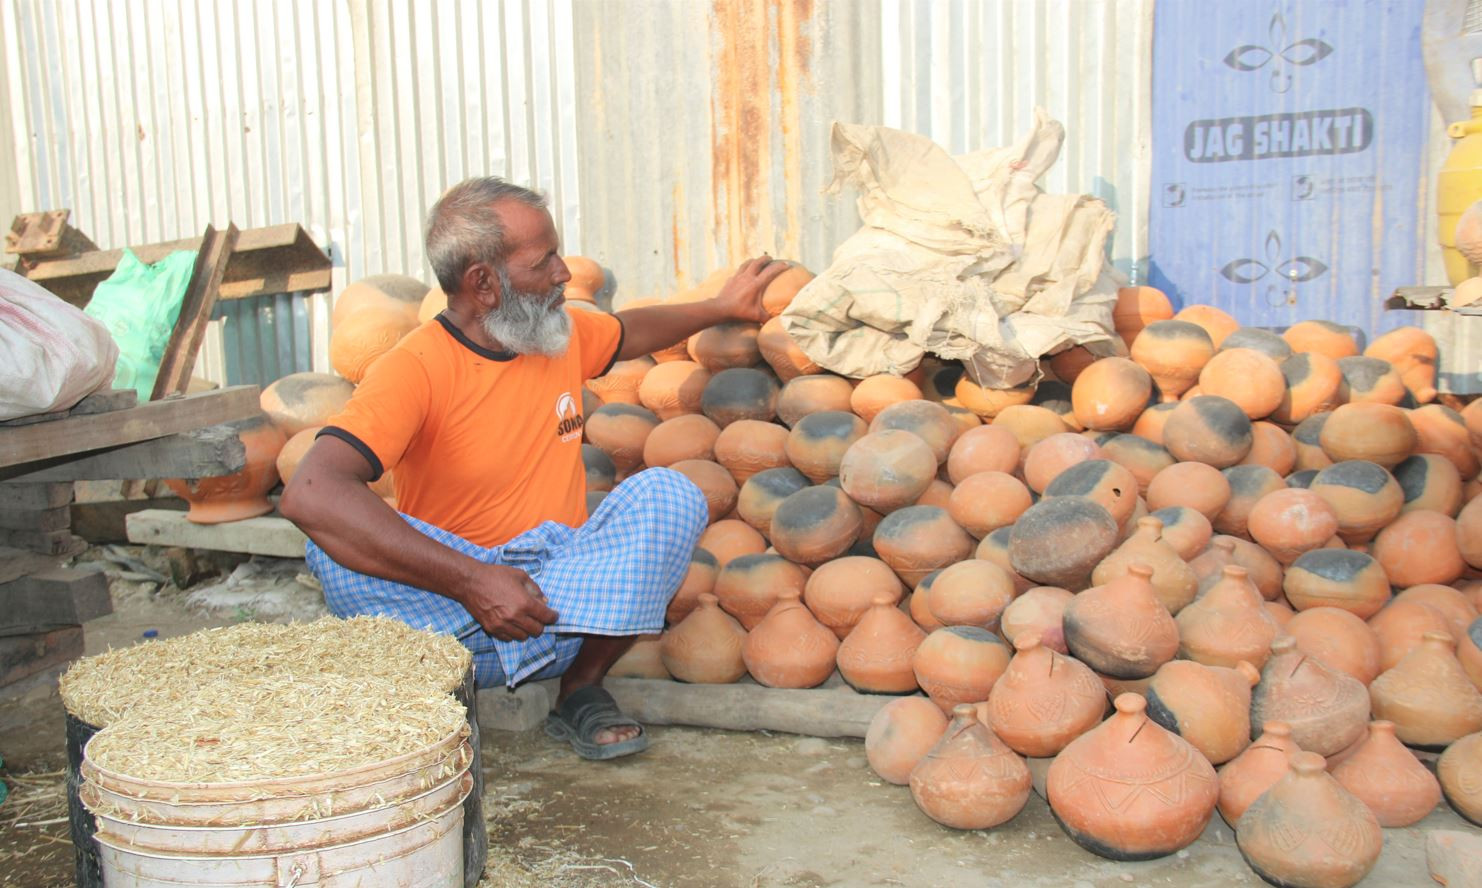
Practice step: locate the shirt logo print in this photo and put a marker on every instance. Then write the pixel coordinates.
(568, 417)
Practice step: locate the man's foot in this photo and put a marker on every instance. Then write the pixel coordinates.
(589, 719)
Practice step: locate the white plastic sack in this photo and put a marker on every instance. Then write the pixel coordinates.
(963, 257)
(51, 354)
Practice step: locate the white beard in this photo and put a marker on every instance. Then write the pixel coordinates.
(529, 323)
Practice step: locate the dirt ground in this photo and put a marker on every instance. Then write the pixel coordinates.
(699, 808)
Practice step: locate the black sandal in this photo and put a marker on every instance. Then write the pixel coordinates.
(587, 712)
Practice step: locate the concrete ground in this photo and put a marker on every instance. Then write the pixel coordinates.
(699, 808)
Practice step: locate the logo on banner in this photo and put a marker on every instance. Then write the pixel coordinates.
(1283, 57)
(1270, 136)
(1296, 270)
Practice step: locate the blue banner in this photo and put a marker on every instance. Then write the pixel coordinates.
(1289, 140)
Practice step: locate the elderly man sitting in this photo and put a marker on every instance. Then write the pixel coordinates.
(479, 413)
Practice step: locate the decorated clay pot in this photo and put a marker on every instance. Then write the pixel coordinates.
(1339, 578)
(1326, 709)
(1386, 777)
(1038, 615)
(1138, 455)
(818, 442)
(815, 524)
(1209, 706)
(725, 346)
(1111, 394)
(900, 735)
(1339, 639)
(1379, 433)
(714, 481)
(1208, 429)
(917, 540)
(1247, 378)
(1130, 790)
(1428, 695)
(698, 580)
(1419, 547)
(749, 586)
(1460, 774)
(1401, 626)
(1413, 353)
(621, 431)
(1059, 541)
(969, 779)
(1363, 495)
(1200, 487)
(1173, 352)
(1216, 322)
(1101, 481)
(1314, 384)
(740, 393)
(876, 656)
(875, 393)
(1308, 830)
(759, 497)
(729, 539)
(984, 502)
(1258, 768)
(983, 449)
(788, 648)
(749, 446)
(959, 664)
(1290, 522)
(842, 590)
(302, 401)
(1185, 529)
(1228, 624)
(1455, 606)
(1030, 423)
(1272, 447)
(887, 470)
(706, 647)
(970, 593)
(243, 493)
(1371, 380)
(783, 354)
(620, 385)
(1173, 581)
(813, 393)
(1121, 629)
(1044, 700)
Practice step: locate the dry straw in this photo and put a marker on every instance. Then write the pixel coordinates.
(166, 674)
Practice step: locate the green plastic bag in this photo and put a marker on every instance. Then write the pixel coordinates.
(139, 304)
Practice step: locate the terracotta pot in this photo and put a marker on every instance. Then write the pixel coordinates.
(817, 444)
(938, 493)
(1102, 481)
(1290, 522)
(1209, 706)
(1111, 394)
(621, 384)
(1046, 460)
(1173, 352)
(729, 539)
(1059, 541)
(1248, 378)
(1308, 830)
(1314, 384)
(1327, 709)
(916, 605)
(887, 470)
(994, 548)
(987, 403)
(297, 447)
(749, 446)
(1452, 604)
(1307, 437)
(706, 647)
(1460, 774)
(740, 393)
(1200, 487)
(1428, 695)
(917, 540)
(840, 591)
(759, 497)
(243, 493)
(379, 292)
(302, 401)
(1442, 431)
(642, 660)
(1121, 629)
(1130, 790)
(900, 735)
(1339, 578)
(1030, 423)
(601, 473)
(1246, 777)
(1216, 322)
(969, 779)
(876, 657)
(926, 420)
(781, 291)
(750, 585)
(1469, 533)
(970, 593)
(1339, 639)
(1469, 652)
(815, 524)
(1229, 624)
(727, 345)
(1136, 308)
(1370, 380)
(1412, 352)
(1419, 547)
(1386, 777)
(683, 437)
(1248, 484)
(1068, 365)
(1037, 615)
(621, 431)
(1138, 455)
(1401, 626)
(983, 449)
(1279, 612)
(1272, 447)
(984, 502)
(875, 393)
(358, 339)
(788, 648)
(714, 481)
(1150, 424)
(959, 664)
(814, 393)
(1208, 429)
(1173, 581)
(782, 353)
(1379, 433)
(1363, 495)
(698, 580)
(1044, 700)
(1321, 337)
(1184, 529)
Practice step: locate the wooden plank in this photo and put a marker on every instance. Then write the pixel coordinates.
(199, 453)
(79, 434)
(47, 542)
(15, 563)
(24, 495)
(195, 311)
(26, 655)
(268, 535)
(57, 518)
(107, 521)
(97, 402)
(56, 597)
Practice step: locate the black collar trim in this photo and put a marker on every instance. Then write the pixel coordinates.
(472, 346)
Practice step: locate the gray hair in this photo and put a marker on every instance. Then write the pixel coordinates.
(462, 227)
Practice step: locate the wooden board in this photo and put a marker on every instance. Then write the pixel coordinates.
(16, 563)
(98, 402)
(47, 542)
(268, 535)
(56, 518)
(199, 453)
(107, 521)
(24, 495)
(195, 311)
(56, 597)
(25, 655)
(80, 434)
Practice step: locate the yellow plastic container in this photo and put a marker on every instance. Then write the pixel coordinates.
(1459, 184)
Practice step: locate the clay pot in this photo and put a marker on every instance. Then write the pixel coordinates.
(1044, 700)
(673, 388)
(1314, 384)
(1371, 380)
(297, 447)
(900, 735)
(1111, 394)
(1412, 352)
(1460, 774)
(815, 393)
(987, 403)
(585, 273)
(1248, 484)
(969, 779)
(698, 580)
(917, 540)
(983, 449)
(357, 340)
(1363, 495)
(597, 466)
(1341, 578)
(959, 664)
(687, 436)
(706, 647)
(621, 431)
(1248, 378)
(1290, 522)
(1451, 603)
(887, 470)
(1379, 433)
(1030, 423)
(875, 393)
(1321, 337)
(781, 291)
(1068, 364)
(1419, 547)
(984, 502)
(995, 548)
(1228, 624)
(1469, 533)
(750, 585)
(642, 660)
(302, 401)
(916, 605)
(740, 393)
(1103, 482)
(763, 492)
(1059, 541)
(926, 420)
(1209, 706)
(1264, 341)
(814, 525)
(714, 481)
(1428, 695)
(782, 353)
(1306, 437)
(876, 656)
(1271, 447)
(1338, 638)
(379, 292)
(1130, 790)
(1307, 830)
(243, 493)
(1185, 529)
(1038, 615)
(817, 443)
(1216, 322)
(1442, 431)
(749, 446)
(1121, 629)
(1246, 777)
(1208, 429)
(970, 593)
(1136, 308)
(1280, 613)
(1262, 569)
(788, 648)
(1138, 455)
(1173, 352)
(1195, 485)
(620, 385)
(840, 591)
(938, 493)
(1401, 626)
(1327, 709)
(1150, 424)
(1386, 777)
(725, 346)
(1173, 581)
(729, 539)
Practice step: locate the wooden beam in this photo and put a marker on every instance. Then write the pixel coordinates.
(107, 521)
(24, 655)
(98, 402)
(57, 518)
(198, 453)
(268, 535)
(16, 563)
(80, 434)
(47, 542)
(195, 311)
(35, 496)
(57, 597)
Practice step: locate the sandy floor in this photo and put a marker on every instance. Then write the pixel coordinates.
(701, 808)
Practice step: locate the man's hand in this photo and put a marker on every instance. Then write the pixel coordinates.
(741, 297)
(507, 603)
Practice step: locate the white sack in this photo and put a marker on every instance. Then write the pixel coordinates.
(51, 354)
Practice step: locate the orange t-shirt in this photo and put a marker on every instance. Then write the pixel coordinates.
(484, 444)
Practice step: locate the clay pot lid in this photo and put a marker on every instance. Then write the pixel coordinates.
(1130, 704)
(1309, 764)
(1234, 571)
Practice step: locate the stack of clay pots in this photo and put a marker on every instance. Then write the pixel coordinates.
(1264, 548)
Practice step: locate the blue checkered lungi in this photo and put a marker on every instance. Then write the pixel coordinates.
(614, 575)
